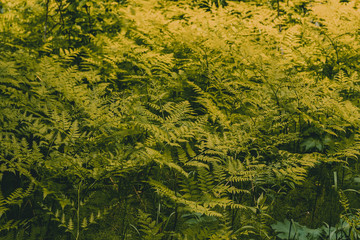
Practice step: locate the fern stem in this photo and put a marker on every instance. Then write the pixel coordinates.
(78, 212)
(289, 235)
(176, 205)
(125, 227)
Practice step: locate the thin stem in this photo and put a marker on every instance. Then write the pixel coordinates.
(290, 229)
(78, 212)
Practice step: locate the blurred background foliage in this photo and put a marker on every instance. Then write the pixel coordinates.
(188, 119)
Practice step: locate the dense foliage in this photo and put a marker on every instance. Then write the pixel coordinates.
(159, 119)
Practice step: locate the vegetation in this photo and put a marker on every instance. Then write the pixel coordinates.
(160, 119)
